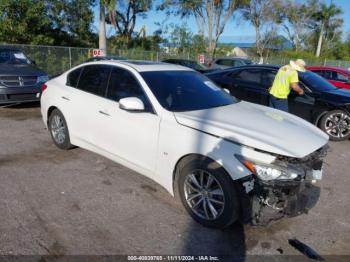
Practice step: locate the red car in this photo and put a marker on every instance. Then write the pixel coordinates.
(337, 76)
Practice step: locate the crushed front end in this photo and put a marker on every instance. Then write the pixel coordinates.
(271, 193)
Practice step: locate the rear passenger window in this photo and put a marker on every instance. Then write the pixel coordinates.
(252, 75)
(73, 77)
(94, 79)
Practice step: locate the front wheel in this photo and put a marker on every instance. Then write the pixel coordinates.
(59, 130)
(208, 193)
(336, 124)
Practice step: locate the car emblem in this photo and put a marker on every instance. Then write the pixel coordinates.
(21, 82)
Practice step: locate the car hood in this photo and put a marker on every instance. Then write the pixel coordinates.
(20, 70)
(258, 127)
(337, 96)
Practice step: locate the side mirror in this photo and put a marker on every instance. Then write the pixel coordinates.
(131, 104)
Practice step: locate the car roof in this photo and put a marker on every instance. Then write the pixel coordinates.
(339, 69)
(178, 59)
(232, 58)
(144, 65)
(10, 49)
(254, 66)
(107, 58)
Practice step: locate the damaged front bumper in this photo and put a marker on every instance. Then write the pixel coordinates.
(264, 201)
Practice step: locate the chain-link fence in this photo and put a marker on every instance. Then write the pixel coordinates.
(57, 59)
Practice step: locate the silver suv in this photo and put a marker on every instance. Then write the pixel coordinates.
(223, 63)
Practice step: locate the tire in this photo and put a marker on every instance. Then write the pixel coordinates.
(336, 124)
(58, 128)
(226, 206)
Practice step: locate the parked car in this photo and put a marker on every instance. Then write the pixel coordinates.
(225, 159)
(223, 63)
(323, 104)
(337, 76)
(191, 64)
(20, 79)
(101, 58)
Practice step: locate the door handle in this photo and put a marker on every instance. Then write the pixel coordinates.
(103, 113)
(65, 98)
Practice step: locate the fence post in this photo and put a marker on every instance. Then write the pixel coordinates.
(70, 57)
(325, 62)
(157, 56)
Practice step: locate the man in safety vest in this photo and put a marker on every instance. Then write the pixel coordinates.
(285, 80)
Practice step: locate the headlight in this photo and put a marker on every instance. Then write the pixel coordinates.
(42, 79)
(269, 171)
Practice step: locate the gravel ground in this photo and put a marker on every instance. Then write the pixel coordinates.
(76, 202)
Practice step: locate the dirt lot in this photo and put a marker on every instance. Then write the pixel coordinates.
(76, 202)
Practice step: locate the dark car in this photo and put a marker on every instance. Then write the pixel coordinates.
(20, 79)
(191, 64)
(104, 58)
(323, 104)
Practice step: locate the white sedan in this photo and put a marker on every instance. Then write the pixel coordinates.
(227, 160)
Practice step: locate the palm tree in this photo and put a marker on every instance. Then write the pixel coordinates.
(110, 6)
(328, 20)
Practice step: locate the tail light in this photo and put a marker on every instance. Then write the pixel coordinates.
(43, 87)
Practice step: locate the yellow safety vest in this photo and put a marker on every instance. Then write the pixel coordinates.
(281, 85)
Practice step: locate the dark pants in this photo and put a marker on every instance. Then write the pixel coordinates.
(281, 104)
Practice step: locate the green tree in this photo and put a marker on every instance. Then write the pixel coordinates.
(124, 17)
(261, 15)
(46, 22)
(327, 23)
(295, 18)
(181, 38)
(24, 22)
(211, 16)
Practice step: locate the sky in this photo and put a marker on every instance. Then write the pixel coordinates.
(236, 30)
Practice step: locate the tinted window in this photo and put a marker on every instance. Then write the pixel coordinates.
(315, 82)
(267, 77)
(185, 90)
(94, 79)
(225, 62)
(73, 77)
(249, 75)
(123, 84)
(319, 72)
(340, 77)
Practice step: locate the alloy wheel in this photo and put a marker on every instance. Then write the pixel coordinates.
(204, 194)
(338, 125)
(58, 129)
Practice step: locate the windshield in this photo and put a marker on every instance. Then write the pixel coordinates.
(316, 82)
(13, 57)
(185, 90)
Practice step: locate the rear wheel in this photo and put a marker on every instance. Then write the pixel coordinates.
(336, 124)
(208, 193)
(59, 131)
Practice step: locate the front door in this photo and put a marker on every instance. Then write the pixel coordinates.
(131, 136)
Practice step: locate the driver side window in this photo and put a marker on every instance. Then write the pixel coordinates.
(122, 84)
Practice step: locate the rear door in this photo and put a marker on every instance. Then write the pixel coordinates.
(86, 99)
(247, 85)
